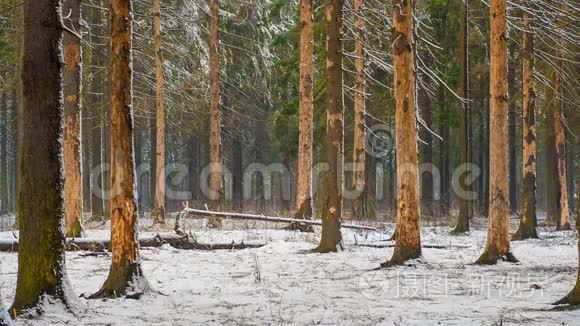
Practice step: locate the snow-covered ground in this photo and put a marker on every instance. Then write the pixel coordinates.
(283, 283)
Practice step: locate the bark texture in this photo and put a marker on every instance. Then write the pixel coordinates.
(498, 241)
(215, 146)
(359, 204)
(158, 213)
(408, 240)
(4, 208)
(331, 213)
(72, 119)
(303, 205)
(560, 140)
(528, 221)
(464, 215)
(41, 263)
(125, 276)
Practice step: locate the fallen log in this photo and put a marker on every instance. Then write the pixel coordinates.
(392, 245)
(244, 216)
(178, 242)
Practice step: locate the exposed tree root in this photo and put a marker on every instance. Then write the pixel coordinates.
(488, 258)
(523, 234)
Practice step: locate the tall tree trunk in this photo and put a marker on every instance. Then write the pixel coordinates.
(464, 215)
(3, 154)
(95, 99)
(303, 205)
(408, 239)
(359, 204)
(125, 275)
(573, 298)
(331, 213)
(215, 146)
(513, 140)
(498, 241)
(560, 140)
(72, 119)
(41, 259)
(527, 228)
(552, 183)
(158, 213)
(238, 173)
(427, 187)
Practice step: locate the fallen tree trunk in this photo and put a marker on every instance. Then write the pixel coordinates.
(243, 216)
(392, 245)
(178, 242)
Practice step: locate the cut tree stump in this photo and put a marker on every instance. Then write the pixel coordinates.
(178, 242)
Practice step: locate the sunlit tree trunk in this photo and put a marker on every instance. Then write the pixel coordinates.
(527, 228)
(359, 204)
(408, 239)
(303, 205)
(573, 298)
(331, 213)
(72, 119)
(215, 146)
(41, 256)
(462, 224)
(560, 140)
(498, 241)
(125, 276)
(158, 213)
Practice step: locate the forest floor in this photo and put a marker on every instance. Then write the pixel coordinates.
(283, 283)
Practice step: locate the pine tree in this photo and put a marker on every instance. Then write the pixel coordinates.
(332, 210)
(125, 276)
(408, 238)
(215, 146)
(360, 207)
(41, 257)
(464, 214)
(158, 213)
(527, 228)
(72, 118)
(498, 241)
(303, 204)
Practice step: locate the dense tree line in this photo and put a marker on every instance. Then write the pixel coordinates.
(84, 114)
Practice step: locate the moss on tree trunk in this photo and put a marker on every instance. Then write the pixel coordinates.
(41, 261)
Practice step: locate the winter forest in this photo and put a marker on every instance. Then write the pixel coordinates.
(289, 162)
